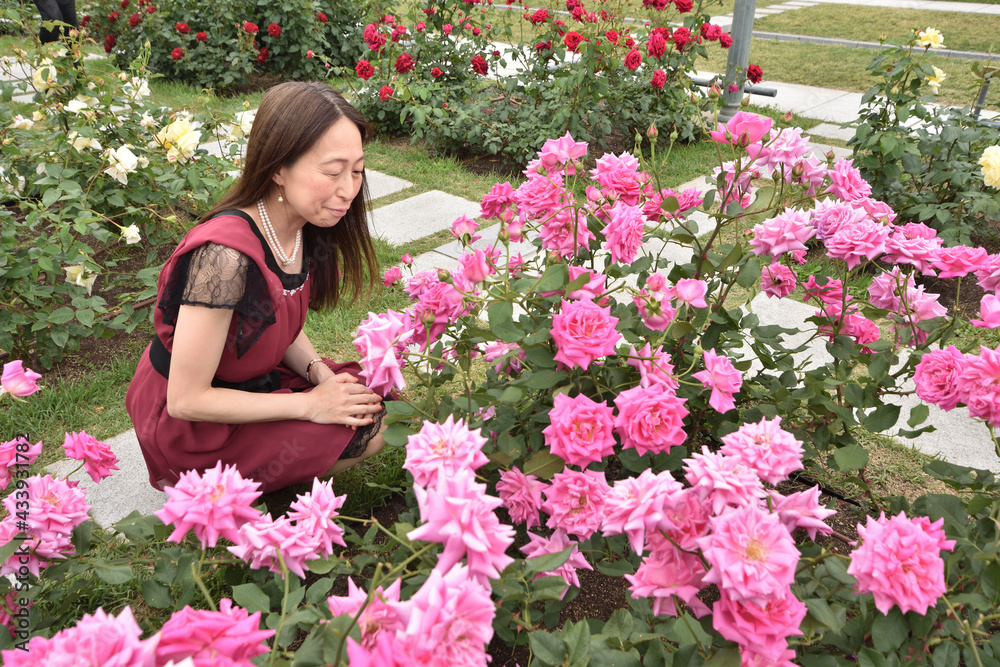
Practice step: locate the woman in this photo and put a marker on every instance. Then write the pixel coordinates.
(230, 374)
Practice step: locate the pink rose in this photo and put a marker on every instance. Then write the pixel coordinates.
(691, 292)
(723, 378)
(979, 386)
(406, 259)
(574, 501)
(777, 280)
(936, 377)
(17, 380)
(650, 419)
(391, 276)
(786, 232)
(743, 128)
(478, 265)
(581, 430)
(583, 331)
(97, 457)
(989, 310)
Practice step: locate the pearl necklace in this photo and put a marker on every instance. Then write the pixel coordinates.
(272, 237)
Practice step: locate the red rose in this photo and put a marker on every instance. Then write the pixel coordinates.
(446, 28)
(476, 32)
(135, 19)
(321, 17)
(250, 27)
(364, 69)
(655, 4)
(683, 6)
(183, 28)
(84, 21)
(755, 74)
(656, 46)
(274, 30)
(633, 60)
(377, 42)
(202, 37)
(543, 46)
(578, 12)
(480, 66)
(659, 78)
(629, 43)
(612, 36)
(711, 32)
(177, 53)
(385, 93)
(109, 43)
(572, 40)
(398, 32)
(725, 41)
(124, 4)
(436, 72)
(113, 16)
(405, 63)
(573, 4)
(262, 55)
(541, 16)
(681, 37)
(150, 9)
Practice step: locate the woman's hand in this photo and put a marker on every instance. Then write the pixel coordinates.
(341, 399)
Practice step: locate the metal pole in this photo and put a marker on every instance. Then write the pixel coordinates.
(739, 57)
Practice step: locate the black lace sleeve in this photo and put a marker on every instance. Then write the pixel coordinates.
(217, 276)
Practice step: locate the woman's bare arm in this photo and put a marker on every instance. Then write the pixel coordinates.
(199, 338)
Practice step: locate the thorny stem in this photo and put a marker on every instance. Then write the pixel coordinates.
(964, 622)
(196, 573)
(284, 611)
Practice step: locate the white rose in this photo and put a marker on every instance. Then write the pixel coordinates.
(990, 162)
(45, 79)
(79, 142)
(77, 274)
(81, 103)
(121, 162)
(131, 234)
(37, 116)
(11, 186)
(147, 120)
(22, 123)
(137, 87)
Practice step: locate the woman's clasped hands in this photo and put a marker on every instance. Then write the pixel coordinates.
(341, 399)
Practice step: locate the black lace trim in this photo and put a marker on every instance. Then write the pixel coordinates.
(359, 442)
(216, 276)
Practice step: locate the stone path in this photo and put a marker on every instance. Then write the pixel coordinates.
(958, 438)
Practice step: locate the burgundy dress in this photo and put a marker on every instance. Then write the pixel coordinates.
(226, 263)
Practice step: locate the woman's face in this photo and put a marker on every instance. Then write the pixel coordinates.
(320, 186)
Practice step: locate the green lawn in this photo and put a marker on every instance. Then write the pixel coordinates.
(843, 68)
(869, 24)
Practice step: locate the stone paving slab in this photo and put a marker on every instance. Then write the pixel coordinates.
(125, 491)
(455, 249)
(832, 131)
(383, 185)
(959, 7)
(958, 439)
(419, 216)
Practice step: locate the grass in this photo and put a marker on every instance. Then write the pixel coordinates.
(870, 24)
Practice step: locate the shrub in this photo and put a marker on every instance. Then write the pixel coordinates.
(221, 45)
(922, 159)
(94, 179)
(594, 75)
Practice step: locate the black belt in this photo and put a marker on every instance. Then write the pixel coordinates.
(159, 356)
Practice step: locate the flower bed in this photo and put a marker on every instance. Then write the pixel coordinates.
(632, 418)
(440, 72)
(222, 43)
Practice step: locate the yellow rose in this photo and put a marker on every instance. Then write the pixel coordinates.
(184, 146)
(930, 38)
(990, 162)
(77, 274)
(168, 136)
(935, 81)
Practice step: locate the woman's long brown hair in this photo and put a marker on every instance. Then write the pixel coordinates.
(292, 117)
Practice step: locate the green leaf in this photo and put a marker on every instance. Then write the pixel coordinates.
(546, 379)
(156, 594)
(750, 273)
(946, 655)
(613, 658)
(86, 317)
(725, 657)
(547, 647)
(112, 573)
(547, 562)
(577, 639)
(499, 313)
(991, 582)
(397, 435)
(251, 598)
(319, 591)
(51, 196)
(851, 457)
(619, 625)
(61, 316)
(882, 418)
(938, 505)
(918, 415)
(615, 568)
(820, 610)
(82, 537)
(543, 465)
(889, 632)
(871, 658)
(554, 278)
